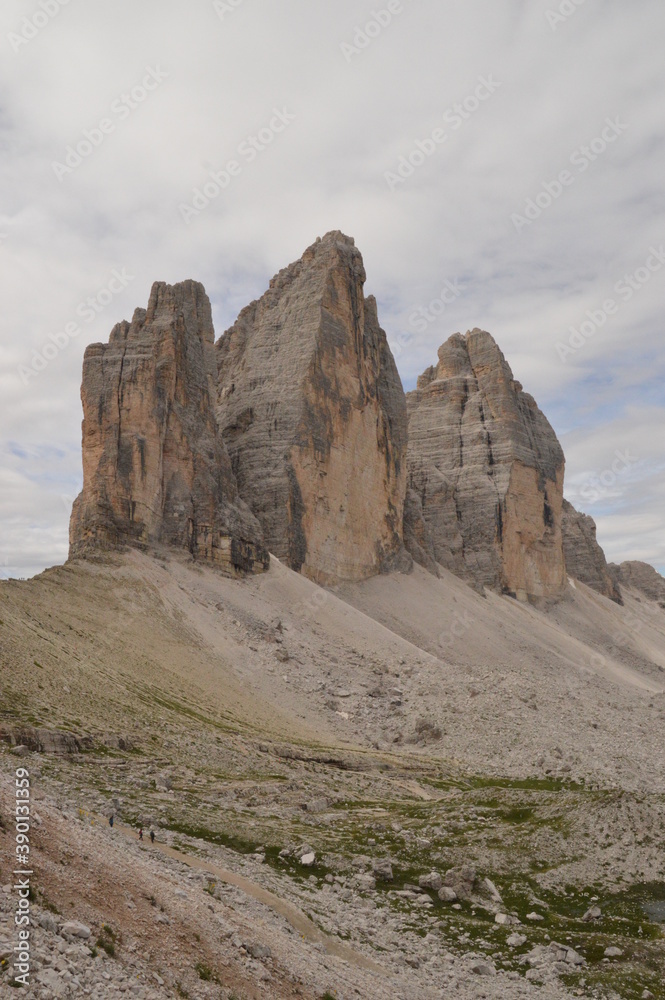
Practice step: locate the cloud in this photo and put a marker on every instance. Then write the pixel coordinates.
(221, 80)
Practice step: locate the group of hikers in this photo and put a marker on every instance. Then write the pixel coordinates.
(152, 832)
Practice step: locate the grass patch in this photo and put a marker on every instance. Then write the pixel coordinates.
(205, 973)
(107, 940)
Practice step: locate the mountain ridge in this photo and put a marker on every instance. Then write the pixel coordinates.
(311, 439)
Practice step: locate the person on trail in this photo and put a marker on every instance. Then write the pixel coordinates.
(111, 821)
(141, 834)
(152, 836)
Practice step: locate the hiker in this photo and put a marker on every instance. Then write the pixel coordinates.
(152, 836)
(111, 821)
(141, 834)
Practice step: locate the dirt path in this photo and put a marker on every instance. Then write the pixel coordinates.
(300, 923)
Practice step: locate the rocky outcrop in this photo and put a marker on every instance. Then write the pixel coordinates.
(313, 414)
(155, 469)
(585, 560)
(642, 577)
(45, 740)
(487, 470)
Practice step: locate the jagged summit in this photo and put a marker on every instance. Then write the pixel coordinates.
(155, 469)
(313, 414)
(486, 472)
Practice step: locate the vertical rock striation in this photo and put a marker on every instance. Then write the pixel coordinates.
(487, 470)
(155, 469)
(313, 415)
(585, 560)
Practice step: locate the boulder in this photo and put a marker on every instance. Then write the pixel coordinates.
(488, 470)
(48, 921)
(461, 881)
(431, 881)
(493, 891)
(584, 558)
(260, 952)
(314, 418)
(73, 928)
(480, 968)
(155, 469)
(505, 919)
(574, 958)
(365, 882)
(383, 870)
(516, 940)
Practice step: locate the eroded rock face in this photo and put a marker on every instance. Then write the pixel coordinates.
(155, 469)
(488, 471)
(642, 577)
(313, 415)
(584, 558)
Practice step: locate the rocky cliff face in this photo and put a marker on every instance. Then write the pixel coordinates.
(290, 434)
(486, 471)
(585, 560)
(314, 418)
(155, 469)
(642, 577)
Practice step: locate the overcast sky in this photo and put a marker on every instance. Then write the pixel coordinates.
(499, 163)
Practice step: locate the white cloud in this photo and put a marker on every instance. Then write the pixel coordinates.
(352, 123)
